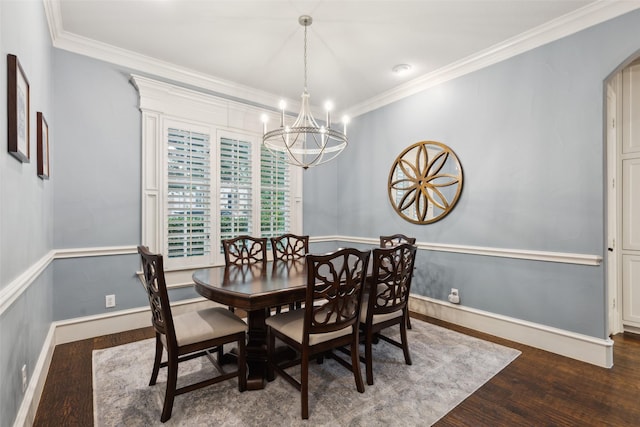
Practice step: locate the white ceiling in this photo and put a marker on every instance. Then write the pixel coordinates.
(254, 49)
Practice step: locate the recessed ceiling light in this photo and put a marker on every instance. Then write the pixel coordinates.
(401, 69)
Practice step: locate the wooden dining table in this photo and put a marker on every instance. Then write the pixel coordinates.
(254, 288)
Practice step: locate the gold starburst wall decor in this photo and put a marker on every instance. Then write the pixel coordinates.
(425, 182)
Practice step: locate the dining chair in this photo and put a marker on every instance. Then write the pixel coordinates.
(387, 303)
(289, 246)
(329, 319)
(244, 250)
(188, 335)
(394, 240)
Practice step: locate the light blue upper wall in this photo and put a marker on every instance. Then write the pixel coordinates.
(529, 134)
(26, 213)
(98, 160)
(98, 186)
(26, 219)
(320, 200)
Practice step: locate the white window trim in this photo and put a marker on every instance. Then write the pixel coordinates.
(162, 103)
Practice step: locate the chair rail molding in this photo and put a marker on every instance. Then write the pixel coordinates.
(10, 293)
(530, 255)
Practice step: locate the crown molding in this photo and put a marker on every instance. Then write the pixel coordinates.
(592, 14)
(585, 17)
(65, 40)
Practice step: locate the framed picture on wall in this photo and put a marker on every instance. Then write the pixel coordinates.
(17, 109)
(43, 147)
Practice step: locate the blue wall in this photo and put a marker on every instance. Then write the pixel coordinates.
(26, 216)
(98, 178)
(528, 132)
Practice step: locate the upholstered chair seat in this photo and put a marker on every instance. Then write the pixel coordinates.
(291, 323)
(188, 335)
(202, 325)
(328, 321)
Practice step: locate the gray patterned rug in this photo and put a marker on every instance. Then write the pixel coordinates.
(447, 368)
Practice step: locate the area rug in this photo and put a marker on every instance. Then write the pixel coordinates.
(447, 368)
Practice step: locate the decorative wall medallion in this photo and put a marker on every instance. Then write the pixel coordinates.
(425, 182)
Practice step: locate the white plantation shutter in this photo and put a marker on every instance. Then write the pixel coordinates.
(206, 177)
(275, 195)
(236, 188)
(188, 194)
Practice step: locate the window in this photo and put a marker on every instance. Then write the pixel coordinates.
(275, 182)
(207, 177)
(236, 188)
(188, 194)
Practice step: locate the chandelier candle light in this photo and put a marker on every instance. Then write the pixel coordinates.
(305, 142)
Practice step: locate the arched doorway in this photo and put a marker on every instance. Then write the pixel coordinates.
(622, 124)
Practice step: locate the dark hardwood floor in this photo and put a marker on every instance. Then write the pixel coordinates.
(537, 389)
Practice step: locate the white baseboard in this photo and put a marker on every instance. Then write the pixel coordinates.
(124, 320)
(580, 347)
(83, 328)
(29, 407)
(565, 343)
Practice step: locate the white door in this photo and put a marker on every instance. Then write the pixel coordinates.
(629, 165)
(615, 293)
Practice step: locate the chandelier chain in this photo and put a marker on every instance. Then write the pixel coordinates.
(305, 58)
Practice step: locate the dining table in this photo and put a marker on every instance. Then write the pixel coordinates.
(256, 289)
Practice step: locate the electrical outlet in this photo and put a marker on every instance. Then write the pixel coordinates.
(110, 301)
(454, 296)
(24, 378)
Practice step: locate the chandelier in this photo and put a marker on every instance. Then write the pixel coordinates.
(306, 143)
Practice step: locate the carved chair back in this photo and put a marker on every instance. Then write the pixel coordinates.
(244, 250)
(289, 246)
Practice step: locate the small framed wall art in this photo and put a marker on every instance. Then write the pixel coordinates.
(43, 147)
(17, 110)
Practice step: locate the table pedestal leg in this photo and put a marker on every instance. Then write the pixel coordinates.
(257, 349)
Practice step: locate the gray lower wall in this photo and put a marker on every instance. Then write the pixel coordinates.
(23, 328)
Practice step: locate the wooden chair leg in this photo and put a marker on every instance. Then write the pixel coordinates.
(170, 393)
(220, 354)
(405, 342)
(368, 357)
(157, 360)
(304, 385)
(408, 321)
(355, 363)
